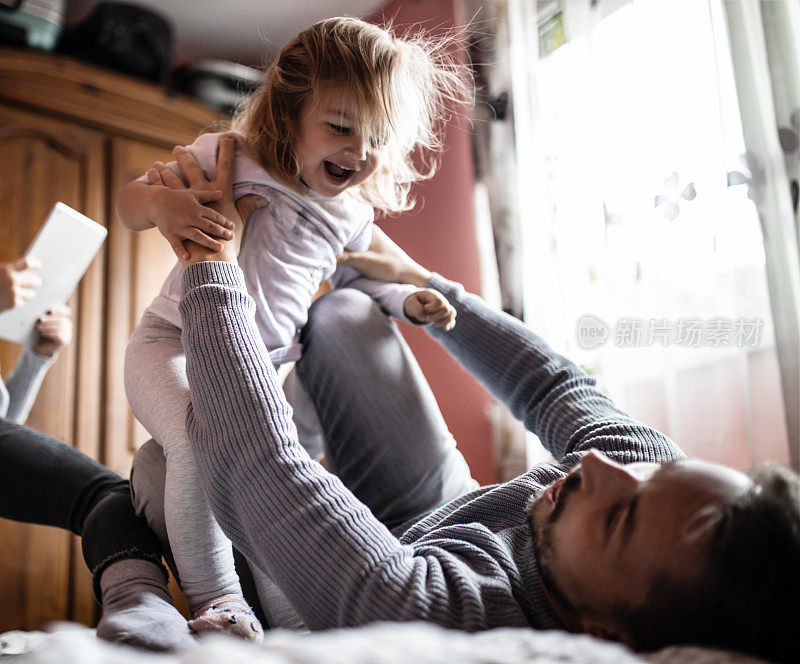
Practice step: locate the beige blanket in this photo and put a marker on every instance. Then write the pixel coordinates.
(383, 643)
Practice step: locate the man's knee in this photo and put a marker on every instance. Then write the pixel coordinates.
(343, 313)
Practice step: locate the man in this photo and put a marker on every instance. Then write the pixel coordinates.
(623, 538)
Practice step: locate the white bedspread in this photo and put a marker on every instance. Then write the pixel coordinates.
(384, 643)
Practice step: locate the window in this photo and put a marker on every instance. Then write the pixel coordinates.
(644, 239)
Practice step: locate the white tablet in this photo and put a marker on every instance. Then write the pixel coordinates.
(65, 245)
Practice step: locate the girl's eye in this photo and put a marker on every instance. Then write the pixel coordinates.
(379, 140)
(338, 129)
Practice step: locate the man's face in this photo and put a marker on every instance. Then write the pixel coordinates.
(605, 531)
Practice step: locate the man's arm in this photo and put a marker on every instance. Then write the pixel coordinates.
(334, 561)
(556, 400)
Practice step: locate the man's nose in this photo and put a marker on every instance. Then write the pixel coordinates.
(599, 473)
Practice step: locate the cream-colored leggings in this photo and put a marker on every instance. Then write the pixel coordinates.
(158, 393)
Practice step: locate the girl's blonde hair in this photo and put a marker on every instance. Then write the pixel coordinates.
(401, 88)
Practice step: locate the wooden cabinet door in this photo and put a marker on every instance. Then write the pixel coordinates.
(42, 161)
(138, 263)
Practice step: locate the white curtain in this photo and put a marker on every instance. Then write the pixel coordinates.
(765, 49)
(643, 254)
(496, 206)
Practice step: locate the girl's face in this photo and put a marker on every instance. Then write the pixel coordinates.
(334, 153)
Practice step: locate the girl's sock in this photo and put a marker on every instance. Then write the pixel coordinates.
(230, 615)
(138, 609)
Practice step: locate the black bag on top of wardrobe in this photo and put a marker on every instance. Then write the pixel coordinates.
(124, 37)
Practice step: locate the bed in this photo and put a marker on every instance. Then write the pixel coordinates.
(381, 643)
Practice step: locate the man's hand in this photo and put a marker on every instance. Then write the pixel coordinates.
(17, 284)
(385, 261)
(428, 306)
(222, 183)
(55, 330)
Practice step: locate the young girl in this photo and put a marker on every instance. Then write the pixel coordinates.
(326, 138)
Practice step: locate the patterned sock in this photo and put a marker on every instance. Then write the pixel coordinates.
(138, 609)
(230, 615)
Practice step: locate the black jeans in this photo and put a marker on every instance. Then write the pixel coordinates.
(45, 481)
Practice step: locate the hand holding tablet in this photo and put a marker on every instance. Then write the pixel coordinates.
(18, 282)
(36, 286)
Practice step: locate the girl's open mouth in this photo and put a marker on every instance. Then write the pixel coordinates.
(337, 173)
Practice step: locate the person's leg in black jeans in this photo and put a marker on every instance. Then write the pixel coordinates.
(45, 481)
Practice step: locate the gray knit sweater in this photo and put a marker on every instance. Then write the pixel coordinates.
(467, 565)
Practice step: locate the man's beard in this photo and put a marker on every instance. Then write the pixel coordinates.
(543, 548)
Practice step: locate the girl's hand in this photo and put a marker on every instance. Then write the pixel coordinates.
(180, 215)
(430, 306)
(55, 330)
(17, 284)
(385, 261)
(222, 182)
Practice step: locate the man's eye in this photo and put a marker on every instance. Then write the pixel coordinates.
(611, 518)
(338, 129)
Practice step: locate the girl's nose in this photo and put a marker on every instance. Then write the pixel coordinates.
(357, 146)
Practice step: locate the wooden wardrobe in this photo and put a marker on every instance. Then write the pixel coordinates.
(76, 133)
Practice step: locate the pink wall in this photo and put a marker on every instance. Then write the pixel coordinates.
(440, 234)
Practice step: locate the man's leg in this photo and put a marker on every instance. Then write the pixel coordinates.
(385, 437)
(45, 481)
